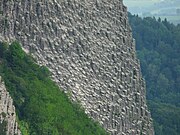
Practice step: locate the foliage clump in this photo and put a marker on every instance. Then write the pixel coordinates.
(41, 107)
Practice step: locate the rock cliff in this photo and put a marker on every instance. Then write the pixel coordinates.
(88, 46)
(7, 112)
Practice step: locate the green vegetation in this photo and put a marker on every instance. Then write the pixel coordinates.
(41, 107)
(158, 48)
(3, 124)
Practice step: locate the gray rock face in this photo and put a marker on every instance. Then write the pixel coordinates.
(7, 111)
(88, 46)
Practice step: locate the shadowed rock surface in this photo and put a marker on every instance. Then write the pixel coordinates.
(88, 46)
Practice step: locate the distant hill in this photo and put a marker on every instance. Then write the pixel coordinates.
(158, 8)
(158, 48)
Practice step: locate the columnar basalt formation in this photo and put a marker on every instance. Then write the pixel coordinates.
(88, 46)
(7, 112)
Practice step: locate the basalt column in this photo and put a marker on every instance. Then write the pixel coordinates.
(88, 47)
(7, 112)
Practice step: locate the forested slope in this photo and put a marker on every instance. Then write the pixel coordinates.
(41, 107)
(158, 48)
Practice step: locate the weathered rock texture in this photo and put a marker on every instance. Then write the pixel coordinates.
(7, 111)
(88, 46)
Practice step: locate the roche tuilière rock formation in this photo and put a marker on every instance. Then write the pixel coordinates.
(88, 46)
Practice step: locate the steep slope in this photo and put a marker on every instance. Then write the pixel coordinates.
(88, 46)
(42, 108)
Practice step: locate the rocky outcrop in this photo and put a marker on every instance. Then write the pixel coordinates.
(7, 112)
(88, 46)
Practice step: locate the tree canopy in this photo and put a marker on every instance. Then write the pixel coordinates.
(158, 48)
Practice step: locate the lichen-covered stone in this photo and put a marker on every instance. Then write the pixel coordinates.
(88, 46)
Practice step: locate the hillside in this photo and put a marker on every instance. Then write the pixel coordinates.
(42, 108)
(158, 48)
